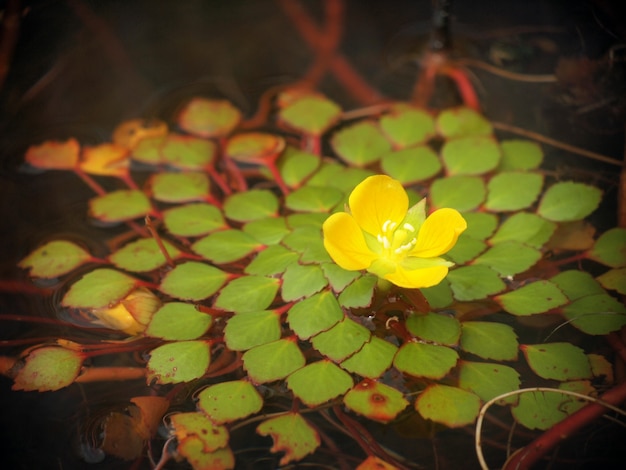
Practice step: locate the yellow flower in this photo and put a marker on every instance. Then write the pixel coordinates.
(382, 235)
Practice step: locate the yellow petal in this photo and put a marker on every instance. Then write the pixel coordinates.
(418, 278)
(376, 200)
(344, 241)
(439, 233)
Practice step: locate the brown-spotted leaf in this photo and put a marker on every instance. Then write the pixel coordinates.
(48, 368)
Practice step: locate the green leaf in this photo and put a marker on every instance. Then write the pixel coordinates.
(121, 205)
(610, 248)
(536, 297)
(597, 314)
(439, 296)
(99, 288)
(572, 404)
(313, 199)
(601, 368)
(148, 150)
(192, 220)
(360, 144)
(466, 249)
(302, 281)
(268, 231)
(247, 330)
(142, 255)
(460, 192)
(509, 258)
(251, 205)
(198, 426)
(254, 147)
(54, 259)
(526, 228)
(480, 225)
(372, 360)
(488, 380)
(338, 277)
(576, 284)
(296, 165)
(314, 314)
(177, 321)
(375, 401)
(180, 187)
(209, 118)
(194, 451)
(520, 155)
(539, 410)
(226, 402)
(193, 281)
(342, 340)
(438, 328)
(408, 126)
(512, 191)
(187, 153)
(557, 361)
(273, 361)
(319, 382)
(411, 164)
(247, 294)
(272, 260)
(309, 219)
(307, 241)
(359, 293)
(225, 246)
(312, 114)
(292, 434)
(48, 368)
(450, 406)
(182, 361)
(474, 282)
(568, 201)
(489, 340)
(473, 155)
(425, 360)
(615, 279)
(461, 121)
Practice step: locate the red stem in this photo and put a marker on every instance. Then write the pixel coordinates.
(103, 374)
(159, 242)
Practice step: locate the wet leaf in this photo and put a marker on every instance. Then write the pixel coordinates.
(99, 288)
(182, 361)
(52, 155)
(247, 294)
(360, 144)
(489, 340)
(473, 155)
(488, 380)
(408, 127)
(460, 192)
(48, 368)
(448, 405)
(539, 410)
(251, 205)
(311, 114)
(610, 248)
(526, 228)
(314, 314)
(254, 147)
(272, 260)
(105, 159)
(180, 187)
(178, 321)
(375, 401)
(302, 281)
(512, 191)
(203, 430)
(193, 281)
(192, 220)
(597, 314)
(268, 231)
(520, 155)
(273, 361)
(142, 255)
(209, 118)
(152, 409)
(121, 205)
(474, 282)
(568, 201)
(372, 360)
(461, 121)
(425, 360)
(226, 402)
(319, 382)
(187, 153)
(615, 279)
(509, 258)
(55, 258)
(359, 293)
(576, 284)
(437, 328)
(536, 297)
(292, 434)
(557, 361)
(307, 240)
(342, 340)
(225, 246)
(411, 164)
(313, 199)
(296, 165)
(247, 330)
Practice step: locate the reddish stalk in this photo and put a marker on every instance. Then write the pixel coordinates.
(105, 374)
(19, 287)
(159, 242)
(89, 181)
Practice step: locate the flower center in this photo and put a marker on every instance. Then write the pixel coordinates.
(396, 241)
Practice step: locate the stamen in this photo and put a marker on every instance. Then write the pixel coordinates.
(386, 243)
(405, 247)
(389, 225)
(409, 227)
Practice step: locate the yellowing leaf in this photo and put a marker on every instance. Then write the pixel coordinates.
(52, 155)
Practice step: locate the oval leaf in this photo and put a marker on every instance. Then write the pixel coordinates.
(99, 288)
(558, 361)
(425, 360)
(183, 361)
(193, 281)
(319, 382)
(48, 368)
(273, 361)
(229, 401)
(568, 201)
(448, 405)
(54, 259)
(292, 435)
